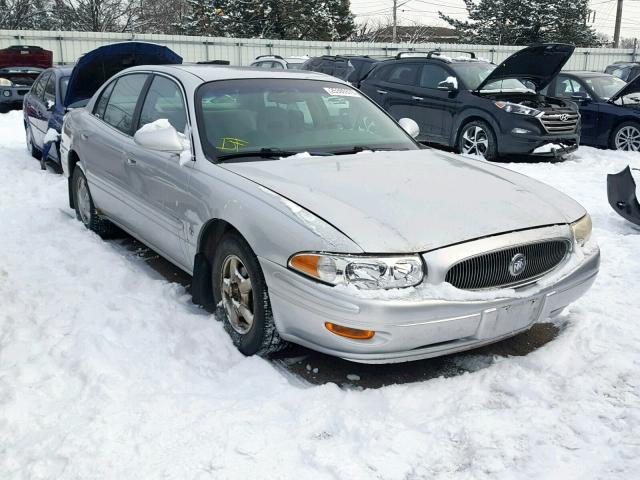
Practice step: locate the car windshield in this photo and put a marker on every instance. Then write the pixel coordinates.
(292, 115)
(474, 73)
(605, 87)
(64, 83)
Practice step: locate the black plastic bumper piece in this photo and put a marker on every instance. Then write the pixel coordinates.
(621, 190)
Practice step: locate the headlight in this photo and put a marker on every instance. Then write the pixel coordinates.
(582, 229)
(4, 82)
(361, 271)
(516, 108)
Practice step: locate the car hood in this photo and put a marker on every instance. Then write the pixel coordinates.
(412, 201)
(97, 66)
(25, 56)
(632, 87)
(539, 64)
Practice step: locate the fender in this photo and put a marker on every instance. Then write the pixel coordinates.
(465, 116)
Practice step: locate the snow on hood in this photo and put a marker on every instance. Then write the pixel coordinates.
(412, 201)
(539, 64)
(97, 66)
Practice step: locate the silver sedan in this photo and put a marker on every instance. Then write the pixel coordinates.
(306, 214)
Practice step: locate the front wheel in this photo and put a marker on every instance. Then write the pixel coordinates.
(240, 292)
(626, 137)
(477, 138)
(85, 209)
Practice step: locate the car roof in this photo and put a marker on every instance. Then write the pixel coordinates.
(586, 74)
(209, 73)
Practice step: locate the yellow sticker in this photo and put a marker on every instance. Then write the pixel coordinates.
(230, 144)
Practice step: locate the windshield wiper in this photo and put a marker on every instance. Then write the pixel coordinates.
(364, 148)
(267, 153)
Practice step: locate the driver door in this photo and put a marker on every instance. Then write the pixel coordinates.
(566, 87)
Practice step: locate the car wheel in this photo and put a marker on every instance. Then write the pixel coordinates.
(477, 138)
(240, 293)
(626, 137)
(85, 209)
(31, 148)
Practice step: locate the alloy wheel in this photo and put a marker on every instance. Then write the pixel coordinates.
(628, 138)
(83, 200)
(475, 141)
(237, 294)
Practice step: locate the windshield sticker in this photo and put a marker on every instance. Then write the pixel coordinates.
(341, 92)
(230, 144)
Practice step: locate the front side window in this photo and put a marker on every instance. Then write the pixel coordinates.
(38, 87)
(50, 91)
(64, 83)
(249, 115)
(122, 101)
(404, 74)
(432, 75)
(164, 101)
(567, 87)
(605, 87)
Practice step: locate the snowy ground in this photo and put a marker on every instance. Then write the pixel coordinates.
(108, 371)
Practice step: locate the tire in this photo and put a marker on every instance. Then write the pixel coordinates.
(626, 137)
(86, 210)
(477, 138)
(246, 315)
(31, 148)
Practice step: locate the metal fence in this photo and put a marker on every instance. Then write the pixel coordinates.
(68, 46)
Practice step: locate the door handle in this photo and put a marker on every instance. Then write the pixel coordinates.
(417, 98)
(84, 136)
(382, 92)
(131, 161)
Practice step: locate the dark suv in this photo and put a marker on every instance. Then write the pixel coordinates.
(626, 71)
(477, 107)
(349, 67)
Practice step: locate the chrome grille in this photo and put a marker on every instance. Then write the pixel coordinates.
(560, 121)
(491, 269)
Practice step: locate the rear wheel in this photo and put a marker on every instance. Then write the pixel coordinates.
(240, 292)
(626, 137)
(31, 148)
(477, 138)
(85, 209)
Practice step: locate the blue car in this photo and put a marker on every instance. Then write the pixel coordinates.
(57, 90)
(609, 106)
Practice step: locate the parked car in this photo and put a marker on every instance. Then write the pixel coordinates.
(351, 68)
(58, 89)
(478, 108)
(19, 67)
(626, 71)
(609, 107)
(622, 194)
(335, 232)
(276, 61)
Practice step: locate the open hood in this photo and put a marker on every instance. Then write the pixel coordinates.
(25, 56)
(538, 64)
(97, 66)
(21, 76)
(632, 87)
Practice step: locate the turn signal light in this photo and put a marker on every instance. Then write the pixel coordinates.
(348, 332)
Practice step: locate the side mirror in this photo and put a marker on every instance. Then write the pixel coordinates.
(410, 126)
(161, 136)
(50, 105)
(581, 97)
(449, 85)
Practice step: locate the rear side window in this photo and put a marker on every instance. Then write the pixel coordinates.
(404, 74)
(38, 87)
(566, 87)
(122, 102)
(432, 75)
(164, 101)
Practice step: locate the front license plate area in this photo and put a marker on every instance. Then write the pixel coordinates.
(505, 320)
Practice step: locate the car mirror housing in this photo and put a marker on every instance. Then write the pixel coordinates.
(581, 97)
(448, 85)
(161, 136)
(410, 126)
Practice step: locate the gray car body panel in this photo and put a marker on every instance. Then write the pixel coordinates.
(393, 202)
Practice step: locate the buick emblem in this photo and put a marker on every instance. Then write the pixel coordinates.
(517, 264)
(564, 117)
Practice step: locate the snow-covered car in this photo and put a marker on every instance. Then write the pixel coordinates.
(279, 62)
(330, 228)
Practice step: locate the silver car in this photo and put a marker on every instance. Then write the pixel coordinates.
(306, 214)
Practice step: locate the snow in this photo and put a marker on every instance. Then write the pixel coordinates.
(453, 81)
(51, 136)
(548, 148)
(107, 370)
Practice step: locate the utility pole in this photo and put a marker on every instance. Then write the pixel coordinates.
(395, 22)
(616, 32)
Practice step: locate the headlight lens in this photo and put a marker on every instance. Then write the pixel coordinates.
(363, 272)
(516, 108)
(4, 82)
(582, 229)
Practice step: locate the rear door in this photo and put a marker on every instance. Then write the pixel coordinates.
(435, 108)
(105, 142)
(37, 110)
(156, 178)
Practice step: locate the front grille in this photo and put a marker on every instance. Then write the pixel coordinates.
(492, 269)
(560, 121)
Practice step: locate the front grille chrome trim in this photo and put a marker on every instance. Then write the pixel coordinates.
(553, 122)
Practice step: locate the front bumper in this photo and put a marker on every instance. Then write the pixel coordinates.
(412, 329)
(12, 95)
(512, 143)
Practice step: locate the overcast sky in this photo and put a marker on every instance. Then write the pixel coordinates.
(426, 12)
